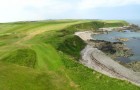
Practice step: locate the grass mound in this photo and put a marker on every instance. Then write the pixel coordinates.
(24, 57)
(72, 46)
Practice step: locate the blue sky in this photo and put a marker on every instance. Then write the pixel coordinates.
(21, 10)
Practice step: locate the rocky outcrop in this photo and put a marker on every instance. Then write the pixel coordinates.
(95, 59)
(134, 27)
(109, 29)
(135, 66)
(122, 39)
(113, 49)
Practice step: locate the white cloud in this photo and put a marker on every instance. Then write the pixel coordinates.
(87, 4)
(16, 10)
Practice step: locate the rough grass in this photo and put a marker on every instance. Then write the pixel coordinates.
(25, 57)
(72, 46)
(14, 77)
(47, 60)
(87, 79)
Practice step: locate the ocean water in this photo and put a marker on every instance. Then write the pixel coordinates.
(136, 22)
(133, 43)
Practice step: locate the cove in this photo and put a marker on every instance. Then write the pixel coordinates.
(133, 43)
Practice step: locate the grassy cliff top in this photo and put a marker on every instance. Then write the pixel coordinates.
(43, 55)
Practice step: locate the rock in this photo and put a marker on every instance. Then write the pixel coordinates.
(113, 49)
(122, 39)
(135, 66)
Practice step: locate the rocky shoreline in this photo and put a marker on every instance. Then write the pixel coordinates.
(113, 49)
(131, 27)
(99, 61)
(93, 57)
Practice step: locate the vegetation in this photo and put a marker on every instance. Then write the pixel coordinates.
(43, 56)
(72, 46)
(25, 57)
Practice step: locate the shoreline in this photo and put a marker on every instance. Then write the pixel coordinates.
(99, 61)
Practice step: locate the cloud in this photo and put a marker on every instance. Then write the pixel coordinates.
(87, 4)
(17, 10)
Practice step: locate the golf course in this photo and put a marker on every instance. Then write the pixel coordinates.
(44, 55)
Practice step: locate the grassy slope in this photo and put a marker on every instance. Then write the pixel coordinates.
(43, 56)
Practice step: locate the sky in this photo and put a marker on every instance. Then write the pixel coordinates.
(28, 10)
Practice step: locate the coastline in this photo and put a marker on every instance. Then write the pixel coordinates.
(99, 61)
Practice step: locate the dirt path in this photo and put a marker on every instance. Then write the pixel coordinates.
(97, 60)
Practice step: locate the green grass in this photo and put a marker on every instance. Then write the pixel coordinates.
(14, 77)
(88, 79)
(44, 55)
(25, 57)
(72, 46)
(47, 57)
